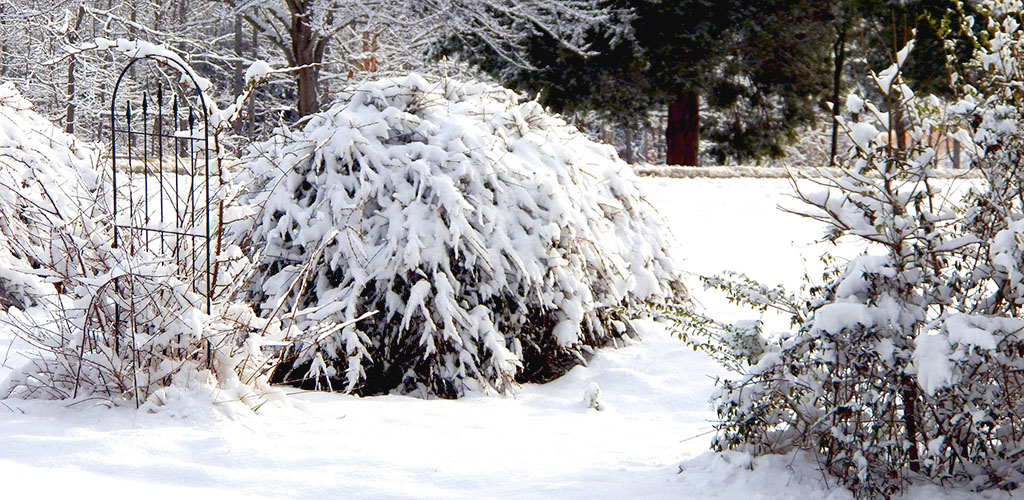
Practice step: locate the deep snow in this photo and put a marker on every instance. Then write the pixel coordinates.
(648, 441)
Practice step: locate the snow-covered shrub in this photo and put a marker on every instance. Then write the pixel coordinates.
(844, 383)
(908, 361)
(492, 242)
(46, 177)
(126, 336)
(107, 323)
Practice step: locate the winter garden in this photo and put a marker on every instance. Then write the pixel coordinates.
(455, 249)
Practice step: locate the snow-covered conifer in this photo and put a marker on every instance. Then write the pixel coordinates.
(488, 241)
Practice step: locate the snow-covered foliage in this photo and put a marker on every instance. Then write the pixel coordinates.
(39, 52)
(109, 323)
(908, 361)
(256, 73)
(46, 180)
(491, 242)
(843, 383)
(129, 338)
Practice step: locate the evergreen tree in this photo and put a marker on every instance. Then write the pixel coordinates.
(772, 80)
(871, 31)
(760, 65)
(304, 30)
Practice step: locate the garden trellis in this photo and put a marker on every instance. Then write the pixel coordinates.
(161, 168)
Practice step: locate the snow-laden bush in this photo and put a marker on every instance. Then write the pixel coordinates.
(843, 385)
(125, 338)
(46, 178)
(112, 324)
(909, 361)
(491, 242)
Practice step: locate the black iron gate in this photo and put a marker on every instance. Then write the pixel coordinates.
(161, 169)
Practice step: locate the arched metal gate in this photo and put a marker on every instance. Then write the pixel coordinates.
(161, 156)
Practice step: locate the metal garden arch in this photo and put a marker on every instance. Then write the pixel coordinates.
(156, 210)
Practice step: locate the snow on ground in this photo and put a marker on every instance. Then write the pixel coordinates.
(545, 443)
(648, 441)
(735, 224)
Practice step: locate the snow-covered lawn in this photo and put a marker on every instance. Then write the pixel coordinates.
(648, 441)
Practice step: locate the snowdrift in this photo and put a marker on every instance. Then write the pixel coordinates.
(46, 177)
(489, 242)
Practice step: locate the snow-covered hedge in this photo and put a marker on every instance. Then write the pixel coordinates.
(495, 242)
(46, 177)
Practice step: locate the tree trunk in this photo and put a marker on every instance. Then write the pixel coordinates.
(627, 152)
(839, 59)
(254, 50)
(681, 135)
(69, 125)
(607, 134)
(899, 129)
(72, 103)
(238, 84)
(304, 49)
(910, 422)
(644, 144)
